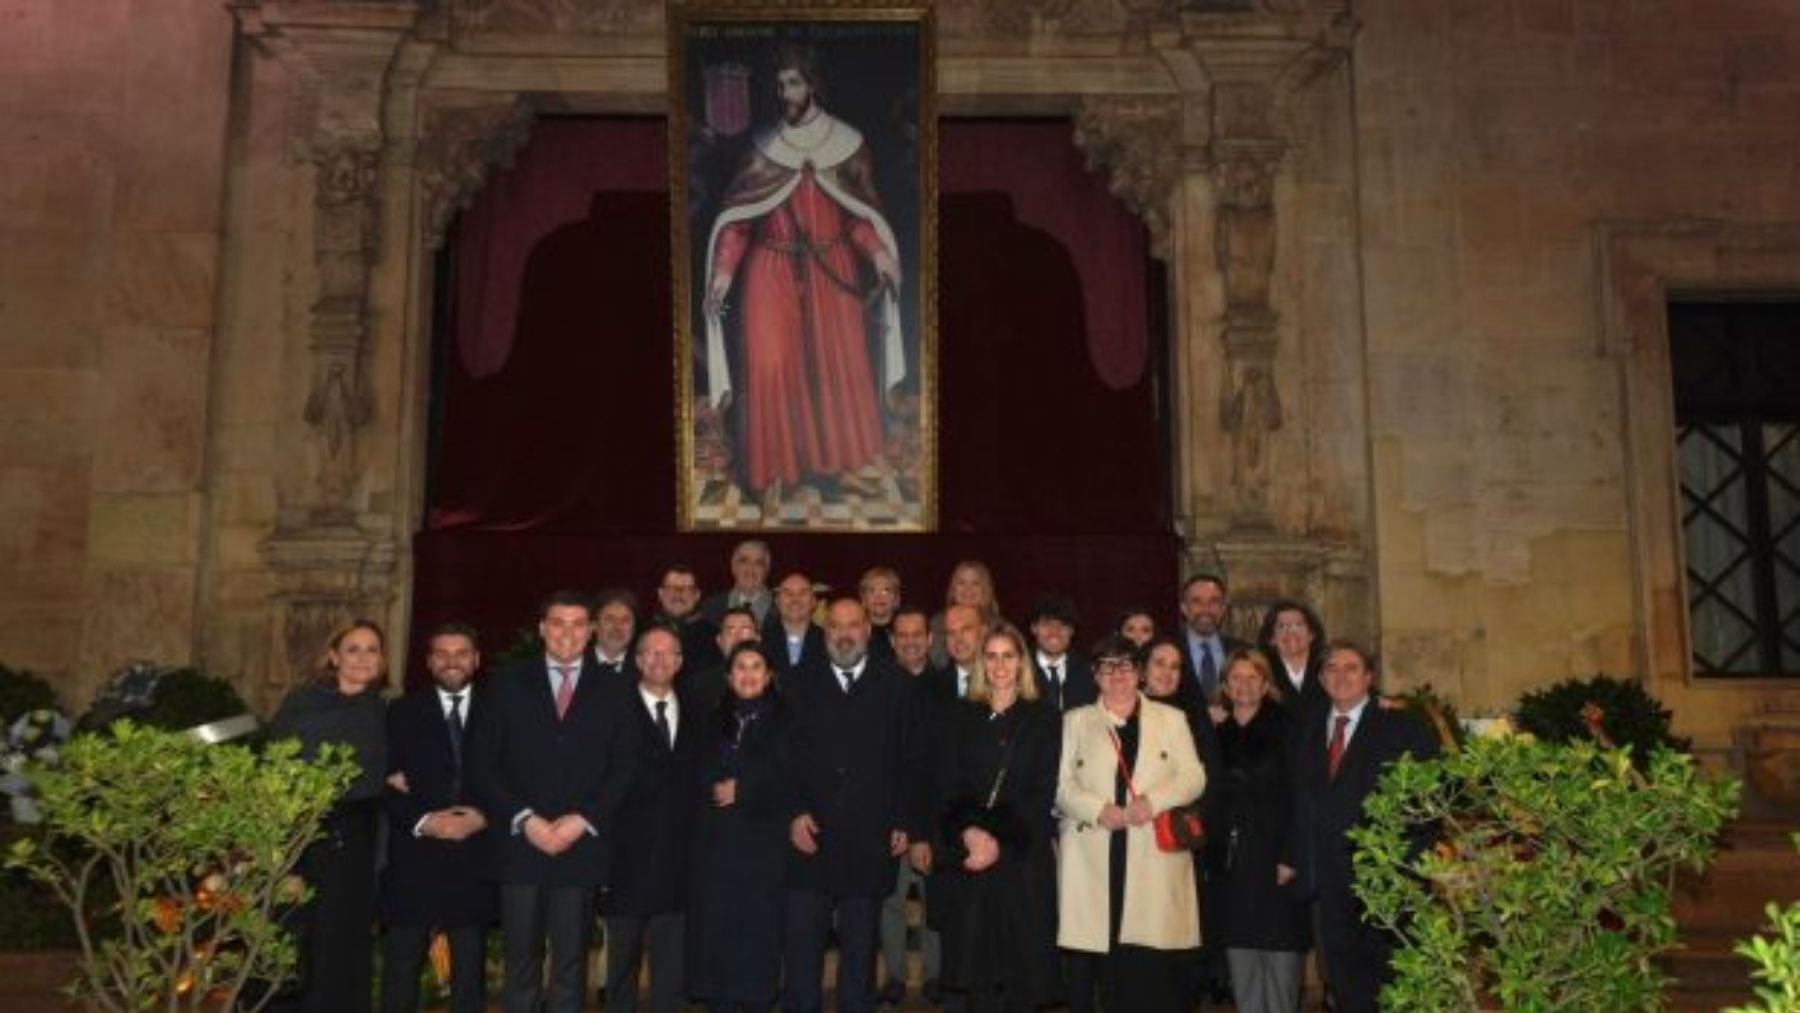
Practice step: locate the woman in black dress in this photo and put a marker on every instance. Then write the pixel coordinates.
(1263, 927)
(993, 887)
(734, 918)
(342, 705)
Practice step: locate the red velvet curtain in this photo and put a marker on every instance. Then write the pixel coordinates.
(554, 440)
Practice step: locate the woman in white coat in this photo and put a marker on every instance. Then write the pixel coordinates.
(1127, 911)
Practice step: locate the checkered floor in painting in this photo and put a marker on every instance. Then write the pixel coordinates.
(725, 505)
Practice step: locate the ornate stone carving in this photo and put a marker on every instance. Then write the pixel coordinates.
(1136, 141)
(458, 148)
(328, 576)
(555, 16)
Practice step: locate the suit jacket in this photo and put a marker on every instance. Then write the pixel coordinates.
(525, 758)
(1161, 904)
(654, 842)
(1190, 677)
(1078, 686)
(854, 765)
(699, 639)
(1325, 807)
(812, 648)
(427, 881)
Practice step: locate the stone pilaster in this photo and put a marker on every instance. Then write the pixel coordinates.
(459, 146)
(327, 566)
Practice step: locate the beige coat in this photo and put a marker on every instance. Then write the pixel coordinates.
(1161, 907)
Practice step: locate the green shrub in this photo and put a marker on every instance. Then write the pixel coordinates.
(1777, 960)
(200, 845)
(1625, 712)
(1547, 887)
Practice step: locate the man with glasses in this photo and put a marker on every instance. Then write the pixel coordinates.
(678, 608)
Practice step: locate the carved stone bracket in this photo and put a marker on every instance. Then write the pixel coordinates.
(1136, 141)
(458, 147)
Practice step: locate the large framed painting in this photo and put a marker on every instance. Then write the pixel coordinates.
(803, 152)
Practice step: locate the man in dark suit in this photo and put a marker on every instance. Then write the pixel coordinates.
(436, 876)
(678, 608)
(855, 778)
(750, 563)
(964, 630)
(646, 895)
(615, 626)
(552, 764)
(706, 685)
(1204, 603)
(1339, 759)
(791, 637)
(911, 641)
(1067, 677)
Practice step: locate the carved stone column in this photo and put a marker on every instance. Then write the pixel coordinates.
(1246, 64)
(328, 566)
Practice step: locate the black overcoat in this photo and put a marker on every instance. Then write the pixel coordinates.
(1251, 814)
(998, 925)
(654, 843)
(738, 894)
(853, 763)
(525, 757)
(428, 881)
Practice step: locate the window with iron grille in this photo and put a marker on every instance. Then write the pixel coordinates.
(1736, 370)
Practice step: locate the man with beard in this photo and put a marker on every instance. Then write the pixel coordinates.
(1204, 602)
(799, 229)
(615, 624)
(678, 608)
(854, 775)
(436, 875)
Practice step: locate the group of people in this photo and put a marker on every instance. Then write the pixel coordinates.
(742, 779)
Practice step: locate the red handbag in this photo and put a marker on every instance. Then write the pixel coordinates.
(1178, 829)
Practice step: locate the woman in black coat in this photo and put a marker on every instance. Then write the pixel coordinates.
(738, 898)
(993, 884)
(1264, 928)
(1293, 640)
(341, 705)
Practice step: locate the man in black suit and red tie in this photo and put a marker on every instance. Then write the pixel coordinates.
(646, 896)
(436, 874)
(552, 766)
(1340, 755)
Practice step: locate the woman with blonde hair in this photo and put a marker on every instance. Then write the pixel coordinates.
(1128, 913)
(972, 584)
(342, 705)
(993, 891)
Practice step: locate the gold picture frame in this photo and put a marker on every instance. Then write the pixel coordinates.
(803, 182)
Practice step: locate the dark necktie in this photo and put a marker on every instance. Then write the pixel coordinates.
(1209, 674)
(848, 677)
(1334, 752)
(1055, 675)
(455, 723)
(662, 724)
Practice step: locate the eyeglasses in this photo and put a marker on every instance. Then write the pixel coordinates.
(1110, 666)
(1291, 627)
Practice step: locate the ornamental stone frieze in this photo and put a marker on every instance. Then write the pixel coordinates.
(1136, 142)
(459, 147)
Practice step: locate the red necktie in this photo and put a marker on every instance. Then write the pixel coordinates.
(565, 691)
(1334, 753)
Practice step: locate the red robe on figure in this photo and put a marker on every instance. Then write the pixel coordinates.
(800, 217)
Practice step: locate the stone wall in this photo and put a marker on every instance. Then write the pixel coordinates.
(1495, 137)
(112, 147)
(1396, 390)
